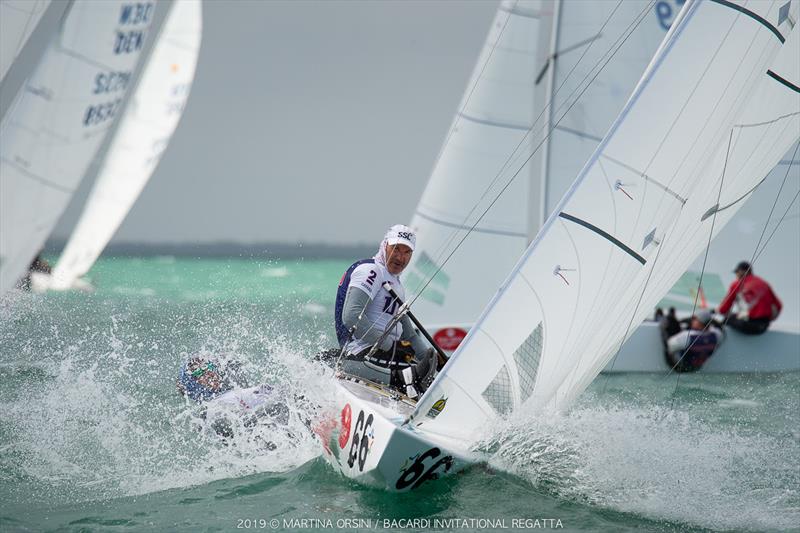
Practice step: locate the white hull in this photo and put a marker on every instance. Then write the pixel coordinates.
(777, 350)
(364, 439)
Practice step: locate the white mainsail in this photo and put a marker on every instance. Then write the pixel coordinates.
(150, 118)
(495, 114)
(713, 114)
(537, 52)
(18, 19)
(59, 119)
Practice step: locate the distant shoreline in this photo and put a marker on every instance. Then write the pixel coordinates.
(229, 249)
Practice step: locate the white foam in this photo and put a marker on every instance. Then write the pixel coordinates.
(134, 291)
(313, 308)
(275, 272)
(658, 463)
(110, 423)
(738, 402)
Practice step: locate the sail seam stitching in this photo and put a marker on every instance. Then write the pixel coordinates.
(499, 124)
(479, 230)
(35, 177)
(84, 58)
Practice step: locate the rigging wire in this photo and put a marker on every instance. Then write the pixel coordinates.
(644, 288)
(604, 60)
(515, 153)
(755, 255)
(702, 271)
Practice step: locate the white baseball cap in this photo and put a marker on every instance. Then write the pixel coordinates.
(400, 234)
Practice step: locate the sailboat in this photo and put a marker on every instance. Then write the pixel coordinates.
(713, 113)
(150, 118)
(522, 86)
(18, 19)
(60, 118)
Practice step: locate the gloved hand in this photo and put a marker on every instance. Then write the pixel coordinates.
(403, 351)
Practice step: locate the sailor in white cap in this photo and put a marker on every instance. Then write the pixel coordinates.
(364, 312)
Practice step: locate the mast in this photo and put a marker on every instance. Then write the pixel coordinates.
(551, 77)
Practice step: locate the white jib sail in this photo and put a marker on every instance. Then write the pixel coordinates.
(535, 52)
(715, 111)
(150, 118)
(18, 19)
(59, 119)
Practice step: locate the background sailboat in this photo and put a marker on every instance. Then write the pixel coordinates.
(715, 111)
(539, 57)
(150, 118)
(547, 79)
(60, 118)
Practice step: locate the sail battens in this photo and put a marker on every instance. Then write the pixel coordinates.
(525, 13)
(476, 229)
(621, 245)
(576, 46)
(494, 115)
(555, 55)
(577, 133)
(28, 174)
(716, 209)
(647, 178)
(755, 16)
(784, 81)
(495, 123)
(86, 59)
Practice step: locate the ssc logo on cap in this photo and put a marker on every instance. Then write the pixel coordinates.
(405, 235)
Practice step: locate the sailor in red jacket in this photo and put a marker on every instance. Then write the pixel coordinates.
(756, 304)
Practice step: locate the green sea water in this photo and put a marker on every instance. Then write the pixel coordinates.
(94, 437)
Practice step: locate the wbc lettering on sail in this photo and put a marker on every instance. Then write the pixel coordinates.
(705, 124)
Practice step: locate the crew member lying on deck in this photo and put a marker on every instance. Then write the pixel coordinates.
(227, 400)
(687, 350)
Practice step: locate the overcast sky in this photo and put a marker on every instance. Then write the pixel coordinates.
(308, 121)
